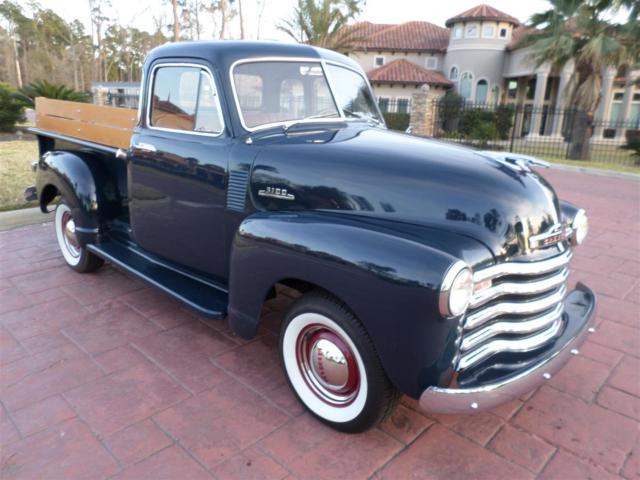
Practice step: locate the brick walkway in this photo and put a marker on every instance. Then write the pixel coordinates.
(103, 377)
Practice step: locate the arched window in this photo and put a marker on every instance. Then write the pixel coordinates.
(453, 73)
(465, 84)
(482, 89)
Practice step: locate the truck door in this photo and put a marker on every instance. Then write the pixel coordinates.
(178, 168)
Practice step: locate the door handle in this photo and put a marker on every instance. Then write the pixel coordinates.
(122, 154)
(145, 147)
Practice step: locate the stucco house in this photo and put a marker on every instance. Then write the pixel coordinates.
(476, 55)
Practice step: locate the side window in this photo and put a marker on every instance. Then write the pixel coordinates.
(184, 98)
(175, 91)
(208, 116)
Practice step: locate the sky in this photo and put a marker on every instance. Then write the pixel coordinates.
(141, 13)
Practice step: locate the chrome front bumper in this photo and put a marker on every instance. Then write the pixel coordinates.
(580, 306)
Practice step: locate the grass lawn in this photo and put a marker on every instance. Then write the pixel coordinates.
(15, 172)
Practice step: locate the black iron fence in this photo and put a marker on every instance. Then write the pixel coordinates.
(543, 131)
(396, 112)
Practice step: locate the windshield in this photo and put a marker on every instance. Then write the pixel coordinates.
(353, 93)
(273, 92)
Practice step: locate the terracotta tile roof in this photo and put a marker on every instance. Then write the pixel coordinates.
(366, 29)
(410, 36)
(482, 12)
(404, 71)
(518, 34)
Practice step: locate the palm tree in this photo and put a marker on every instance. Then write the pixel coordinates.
(26, 96)
(324, 23)
(578, 31)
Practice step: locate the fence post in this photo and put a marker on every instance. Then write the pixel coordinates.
(422, 118)
(513, 128)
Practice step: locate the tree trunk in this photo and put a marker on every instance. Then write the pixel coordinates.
(100, 69)
(581, 131)
(264, 3)
(241, 19)
(197, 14)
(17, 58)
(82, 82)
(223, 13)
(74, 62)
(176, 21)
(25, 64)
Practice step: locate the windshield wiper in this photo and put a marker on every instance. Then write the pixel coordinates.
(361, 116)
(321, 115)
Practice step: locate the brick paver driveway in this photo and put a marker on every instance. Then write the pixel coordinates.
(102, 376)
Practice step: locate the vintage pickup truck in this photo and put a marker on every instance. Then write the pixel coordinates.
(424, 268)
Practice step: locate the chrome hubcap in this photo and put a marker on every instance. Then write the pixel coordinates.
(328, 365)
(69, 234)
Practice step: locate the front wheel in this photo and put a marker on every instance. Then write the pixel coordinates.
(332, 366)
(76, 256)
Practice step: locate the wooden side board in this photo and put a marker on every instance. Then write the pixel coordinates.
(109, 126)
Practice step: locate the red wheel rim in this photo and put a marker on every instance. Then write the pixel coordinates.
(328, 365)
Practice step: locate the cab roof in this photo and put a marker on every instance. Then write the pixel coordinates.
(223, 53)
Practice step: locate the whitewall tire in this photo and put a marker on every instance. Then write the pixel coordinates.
(75, 255)
(332, 366)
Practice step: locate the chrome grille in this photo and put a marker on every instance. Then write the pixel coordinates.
(520, 311)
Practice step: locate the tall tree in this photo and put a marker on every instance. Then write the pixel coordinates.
(176, 20)
(324, 23)
(578, 31)
(241, 19)
(17, 25)
(98, 21)
(260, 5)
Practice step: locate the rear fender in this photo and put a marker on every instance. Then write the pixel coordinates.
(389, 282)
(80, 177)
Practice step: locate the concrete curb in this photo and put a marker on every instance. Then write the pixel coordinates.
(596, 171)
(20, 218)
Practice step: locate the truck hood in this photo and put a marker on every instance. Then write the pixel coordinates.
(372, 172)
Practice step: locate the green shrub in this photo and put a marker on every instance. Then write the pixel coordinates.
(484, 131)
(504, 120)
(633, 144)
(396, 121)
(11, 111)
(41, 88)
(450, 108)
(472, 122)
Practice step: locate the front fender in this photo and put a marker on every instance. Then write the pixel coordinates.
(81, 178)
(391, 284)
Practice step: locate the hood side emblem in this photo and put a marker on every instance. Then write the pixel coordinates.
(554, 234)
(273, 192)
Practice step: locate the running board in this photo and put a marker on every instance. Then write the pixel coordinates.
(206, 298)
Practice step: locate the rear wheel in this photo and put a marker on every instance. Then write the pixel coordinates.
(76, 256)
(332, 366)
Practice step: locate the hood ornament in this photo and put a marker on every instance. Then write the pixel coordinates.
(516, 161)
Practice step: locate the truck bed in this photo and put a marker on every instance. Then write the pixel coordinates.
(108, 126)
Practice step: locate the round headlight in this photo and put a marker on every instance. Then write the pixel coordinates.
(580, 227)
(456, 290)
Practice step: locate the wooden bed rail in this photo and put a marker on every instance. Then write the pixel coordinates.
(108, 126)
